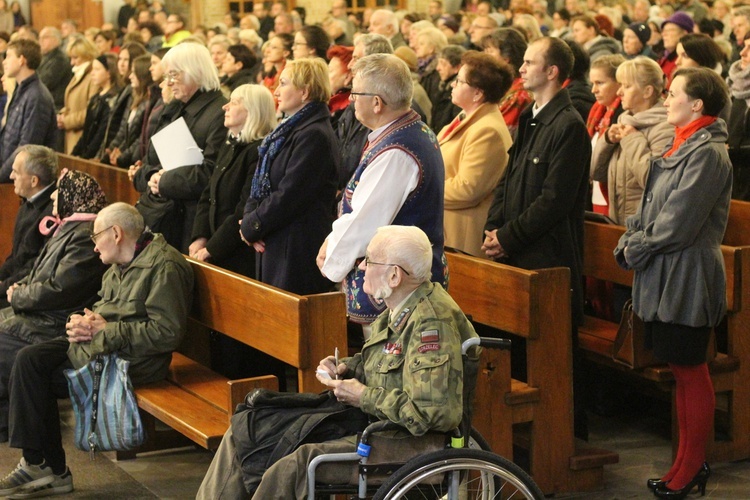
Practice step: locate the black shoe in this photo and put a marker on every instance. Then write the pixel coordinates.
(700, 480)
(656, 483)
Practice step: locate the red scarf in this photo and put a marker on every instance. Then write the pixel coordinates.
(681, 134)
(450, 128)
(339, 100)
(600, 117)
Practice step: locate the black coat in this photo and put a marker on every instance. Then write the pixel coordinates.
(540, 200)
(443, 109)
(243, 76)
(95, 127)
(738, 127)
(222, 205)
(181, 188)
(27, 240)
(581, 97)
(55, 73)
(297, 216)
(352, 136)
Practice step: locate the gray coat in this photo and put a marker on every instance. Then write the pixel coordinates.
(674, 240)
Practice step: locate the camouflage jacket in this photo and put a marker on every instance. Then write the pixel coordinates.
(412, 364)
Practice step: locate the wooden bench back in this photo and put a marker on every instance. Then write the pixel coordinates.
(299, 330)
(738, 226)
(599, 262)
(534, 305)
(114, 181)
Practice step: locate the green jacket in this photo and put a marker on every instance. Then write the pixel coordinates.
(146, 306)
(412, 365)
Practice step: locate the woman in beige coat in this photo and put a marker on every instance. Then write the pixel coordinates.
(475, 149)
(641, 133)
(78, 92)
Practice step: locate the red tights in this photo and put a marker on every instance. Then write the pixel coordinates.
(695, 414)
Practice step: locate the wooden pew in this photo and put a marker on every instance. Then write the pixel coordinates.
(534, 305)
(730, 371)
(299, 330)
(114, 181)
(738, 226)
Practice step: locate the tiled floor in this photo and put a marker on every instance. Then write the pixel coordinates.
(640, 437)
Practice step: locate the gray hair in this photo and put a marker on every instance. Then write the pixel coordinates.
(452, 54)
(261, 111)
(53, 32)
(123, 215)
(40, 161)
(405, 246)
(194, 62)
(222, 40)
(375, 44)
(387, 76)
(389, 18)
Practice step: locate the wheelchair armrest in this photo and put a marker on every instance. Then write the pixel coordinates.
(379, 426)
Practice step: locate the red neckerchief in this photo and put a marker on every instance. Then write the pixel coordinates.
(452, 125)
(681, 134)
(600, 118)
(339, 100)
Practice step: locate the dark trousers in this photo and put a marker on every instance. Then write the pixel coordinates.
(9, 347)
(36, 383)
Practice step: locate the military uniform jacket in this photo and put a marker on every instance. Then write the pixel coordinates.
(412, 364)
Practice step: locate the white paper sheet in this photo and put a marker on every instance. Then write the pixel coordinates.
(176, 147)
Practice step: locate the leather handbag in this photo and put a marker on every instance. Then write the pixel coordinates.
(105, 407)
(629, 348)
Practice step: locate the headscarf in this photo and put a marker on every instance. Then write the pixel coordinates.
(79, 197)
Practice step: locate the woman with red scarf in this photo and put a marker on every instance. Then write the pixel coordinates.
(673, 244)
(603, 113)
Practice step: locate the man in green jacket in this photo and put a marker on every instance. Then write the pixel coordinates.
(141, 316)
(409, 372)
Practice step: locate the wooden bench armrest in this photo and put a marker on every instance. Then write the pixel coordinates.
(238, 389)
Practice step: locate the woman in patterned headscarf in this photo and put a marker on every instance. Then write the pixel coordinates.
(65, 278)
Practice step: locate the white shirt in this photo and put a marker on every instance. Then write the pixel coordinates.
(382, 190)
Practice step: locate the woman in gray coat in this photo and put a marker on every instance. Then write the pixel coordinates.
(673, 244)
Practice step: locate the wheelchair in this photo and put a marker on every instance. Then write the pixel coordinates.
(462, 470)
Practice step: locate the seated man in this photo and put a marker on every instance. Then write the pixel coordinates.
(421, 322)
(33, 175)
(64, 278)
(141, 315)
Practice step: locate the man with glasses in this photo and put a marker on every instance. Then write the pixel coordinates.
(399, 180)
(174, 31)
(480, 27)
(141, 315)
(394, 378)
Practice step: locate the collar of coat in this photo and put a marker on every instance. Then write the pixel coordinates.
(554, 107)
(716, 132)
(485, 109)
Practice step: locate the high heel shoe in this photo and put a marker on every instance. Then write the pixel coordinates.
(655, 483)
(700, 480)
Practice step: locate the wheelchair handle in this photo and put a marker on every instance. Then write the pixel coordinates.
(488, 342)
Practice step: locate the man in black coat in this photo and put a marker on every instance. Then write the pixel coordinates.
(536, 217)
(55, 70)
(33, 175)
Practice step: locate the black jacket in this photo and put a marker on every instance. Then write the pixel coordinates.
(55, 73)
(182, 187)
(95, 126)
(739, 148)
(443, 109)
(581, 97)
(296, 217)
(222, 205)
(27, 240)
(352, 136)
(540, 200)
(243, 76)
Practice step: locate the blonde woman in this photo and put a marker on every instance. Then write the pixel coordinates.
(78, 93)
(641, 132)
(249, 116)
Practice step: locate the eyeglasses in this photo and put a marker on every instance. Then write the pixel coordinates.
(369, 262)
(298, 44)
(353, 96)
(173, 76)
(457, 81)
(95, 236)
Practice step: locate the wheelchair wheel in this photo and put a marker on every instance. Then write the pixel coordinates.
(459, 474)
(477, 441)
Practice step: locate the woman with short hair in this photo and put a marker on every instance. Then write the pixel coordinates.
(78, 93)
(340, 78)
(276, 52)
(642, 131)
(475, 149)
(290, 209)
(239, 68)
(697, 50)
(169, 198)
(430, 41)
(311, 41)
(673, 243)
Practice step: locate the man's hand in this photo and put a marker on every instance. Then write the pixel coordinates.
(491, 246)
(83, 327)
(328, 365)
(153, 182)
(197, 245)
(133, 169)
(347, 391)
(321, 258)
(11, 289)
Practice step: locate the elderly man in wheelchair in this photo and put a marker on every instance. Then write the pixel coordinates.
(410, 376)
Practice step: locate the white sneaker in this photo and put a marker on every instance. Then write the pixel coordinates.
(60, 485)
(26, 475)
